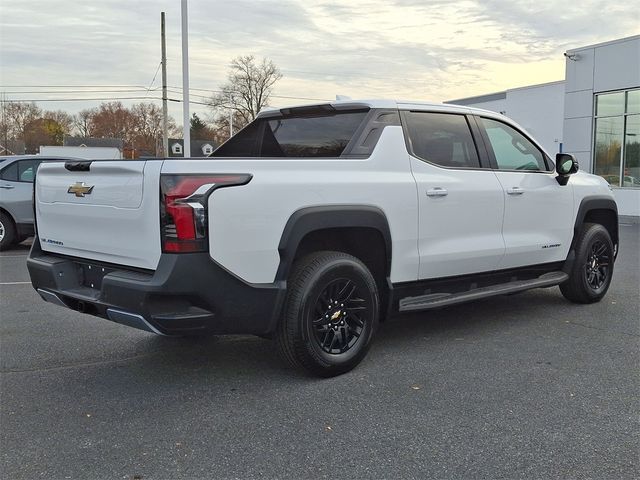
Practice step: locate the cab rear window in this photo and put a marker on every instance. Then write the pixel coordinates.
(325, 135)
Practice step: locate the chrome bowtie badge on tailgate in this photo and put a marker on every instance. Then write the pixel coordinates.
(80, 189)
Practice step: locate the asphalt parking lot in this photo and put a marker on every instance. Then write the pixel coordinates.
(526, 386)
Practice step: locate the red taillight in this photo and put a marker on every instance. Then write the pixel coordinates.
(183, 209)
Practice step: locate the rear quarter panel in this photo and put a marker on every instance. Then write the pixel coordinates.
(246, 223)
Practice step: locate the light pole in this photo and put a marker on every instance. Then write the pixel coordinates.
(186, 128)
(165, 112)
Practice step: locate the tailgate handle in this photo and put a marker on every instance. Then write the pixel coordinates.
(77, 166)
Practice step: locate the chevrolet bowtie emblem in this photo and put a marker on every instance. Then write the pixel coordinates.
(80, 189)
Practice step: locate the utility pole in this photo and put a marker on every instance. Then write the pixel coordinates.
(230, 116)
(165, 114)
(186, 127)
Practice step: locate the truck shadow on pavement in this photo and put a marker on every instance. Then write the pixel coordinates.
(220, 363)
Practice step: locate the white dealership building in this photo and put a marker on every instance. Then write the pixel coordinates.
(594, 114)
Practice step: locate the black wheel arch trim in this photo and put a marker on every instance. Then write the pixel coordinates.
(310, 219)
(595, 202)
(588, 204)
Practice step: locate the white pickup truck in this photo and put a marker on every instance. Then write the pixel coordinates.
(314, 223)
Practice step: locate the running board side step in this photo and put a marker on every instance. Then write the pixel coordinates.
(438, 300)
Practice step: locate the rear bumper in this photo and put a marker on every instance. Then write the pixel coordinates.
(186, 294)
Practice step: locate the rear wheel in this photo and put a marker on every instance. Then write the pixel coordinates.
(331, 314)
(7, 231)
(592, 270)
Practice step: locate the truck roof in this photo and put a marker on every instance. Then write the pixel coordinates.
(383, 103)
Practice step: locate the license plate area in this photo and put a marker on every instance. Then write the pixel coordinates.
(91, 275)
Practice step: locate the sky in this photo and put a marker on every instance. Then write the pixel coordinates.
(405, 49)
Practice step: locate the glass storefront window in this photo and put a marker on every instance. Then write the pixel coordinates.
(609, 104)
(617, 138)
(608, 148)
(633, 101)
(632, 152)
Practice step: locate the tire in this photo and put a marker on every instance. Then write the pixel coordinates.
(7, 231)
(592, 269)
(331, 314)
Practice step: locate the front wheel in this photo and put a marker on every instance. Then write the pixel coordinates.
(331, 314)
(592, 270)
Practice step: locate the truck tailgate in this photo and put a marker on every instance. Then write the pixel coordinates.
(109, 213)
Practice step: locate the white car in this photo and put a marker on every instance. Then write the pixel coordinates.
(314, 223)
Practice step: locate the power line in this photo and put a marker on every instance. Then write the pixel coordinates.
(190, 101)
(82, 89)
(69, 86)
(154, 78)
(27, 100)
(274, 96)
(138, 88)
(58, 92)
(176, 90)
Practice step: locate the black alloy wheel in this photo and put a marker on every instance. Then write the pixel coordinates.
(330, 315)
(596, 268)
(339, 316)
(592, 269)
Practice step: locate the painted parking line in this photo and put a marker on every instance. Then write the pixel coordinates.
(15, 283)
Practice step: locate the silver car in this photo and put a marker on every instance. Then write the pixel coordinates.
(16, 197)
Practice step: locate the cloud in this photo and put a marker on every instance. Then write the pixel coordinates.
(431, 49)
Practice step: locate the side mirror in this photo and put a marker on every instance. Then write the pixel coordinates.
(566, 165)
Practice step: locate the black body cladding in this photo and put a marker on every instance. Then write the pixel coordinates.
(187, 293)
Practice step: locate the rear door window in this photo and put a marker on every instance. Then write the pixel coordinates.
(10, 173)
(295, 136)
(442, 138)
(27, 170)
(20, 171)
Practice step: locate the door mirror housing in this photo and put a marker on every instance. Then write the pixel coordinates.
(566, 165)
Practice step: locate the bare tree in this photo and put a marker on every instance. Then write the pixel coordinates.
(147, 126)
(220, 127)
(4, 127)
(248, 88)
(17, 116)
(139, 127)
(83, 122)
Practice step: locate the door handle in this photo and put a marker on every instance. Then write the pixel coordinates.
(7, 187)
(515, 191)
(437, 192)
